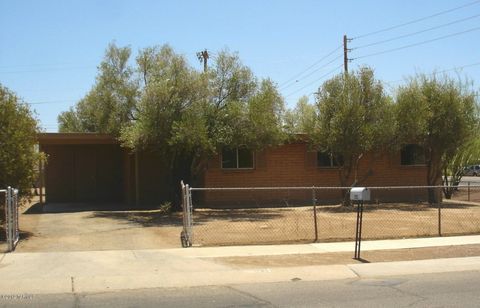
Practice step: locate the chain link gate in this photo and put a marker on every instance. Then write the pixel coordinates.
(186, 236)
(11, 218)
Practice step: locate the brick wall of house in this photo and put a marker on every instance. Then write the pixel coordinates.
(293, 165)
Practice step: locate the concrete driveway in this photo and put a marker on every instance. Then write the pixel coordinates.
(81, 227)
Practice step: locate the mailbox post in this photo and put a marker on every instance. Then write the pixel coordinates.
(359, 195)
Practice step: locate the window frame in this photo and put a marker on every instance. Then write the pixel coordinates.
(414, 164)
(237, 160)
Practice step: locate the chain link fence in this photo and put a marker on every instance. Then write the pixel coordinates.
(11, 225)
(272, 215)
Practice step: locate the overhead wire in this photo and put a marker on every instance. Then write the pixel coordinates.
(313, 72)
(314, 81)
(440, 72)
(416, 32)
(49, 70)
(311, 66)
(416, 20)
(416, 44)
(52, 102)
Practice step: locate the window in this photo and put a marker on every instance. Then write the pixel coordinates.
(328, 160)
(412, 154)
(239, 158)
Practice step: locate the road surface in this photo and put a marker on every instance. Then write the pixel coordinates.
(459, 289)
(474, 180)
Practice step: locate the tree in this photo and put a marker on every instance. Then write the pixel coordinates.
(301, 120)
(110, 104)
(188, 116)
(18, 138)
(454, 167)
(438, 114)
(355, 117)
(185, 115)
(169, 114)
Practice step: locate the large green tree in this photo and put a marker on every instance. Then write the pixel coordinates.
(354, 117)
(438, 114)
(18, 138)
(189, 115)
(111, 102)
(163, 104)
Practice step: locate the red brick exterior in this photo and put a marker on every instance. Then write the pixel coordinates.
(293, 165)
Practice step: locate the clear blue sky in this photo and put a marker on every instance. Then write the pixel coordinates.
(50, 49)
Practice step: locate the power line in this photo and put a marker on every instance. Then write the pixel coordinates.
(440, 72)
(50, 70)
(417, 20)
(52, 102)
(416, 32)
(316, 80)
(418, 43)
(311, 66)
(313, 72)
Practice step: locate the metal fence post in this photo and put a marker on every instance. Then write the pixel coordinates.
(184, 236)
(468, 189)
(9, 219)
(439, 219)
(314, 201)
(189, 215)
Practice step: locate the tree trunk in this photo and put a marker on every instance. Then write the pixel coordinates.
(434, 178)
(344, 174)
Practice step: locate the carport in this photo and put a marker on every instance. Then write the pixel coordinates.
(90, 184)
(93, 169)
(90, 168)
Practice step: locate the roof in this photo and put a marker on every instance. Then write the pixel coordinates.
(97, 138)
(76, 138)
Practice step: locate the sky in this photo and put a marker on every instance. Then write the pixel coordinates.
(49, 50)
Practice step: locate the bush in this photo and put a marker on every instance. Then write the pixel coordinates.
(18, 139)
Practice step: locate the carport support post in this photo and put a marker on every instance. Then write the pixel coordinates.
(40, 174)
(137, 181)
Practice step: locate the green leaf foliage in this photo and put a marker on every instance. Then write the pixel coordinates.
(354, 117)
(111, 102)
(438, 113)
(18, 137)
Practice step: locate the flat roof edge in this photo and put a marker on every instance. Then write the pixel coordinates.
(76, 138)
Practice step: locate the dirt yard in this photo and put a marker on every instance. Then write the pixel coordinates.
(346, 257)
(69, 228)
(76, 227)
(334, 223)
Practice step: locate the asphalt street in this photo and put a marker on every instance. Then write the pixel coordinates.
(459, 289)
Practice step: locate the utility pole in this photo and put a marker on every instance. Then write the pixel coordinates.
(203, 57)
(345, 53)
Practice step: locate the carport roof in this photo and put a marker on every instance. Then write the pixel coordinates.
(76, 138)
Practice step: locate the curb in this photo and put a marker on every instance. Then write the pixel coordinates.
(66, 284)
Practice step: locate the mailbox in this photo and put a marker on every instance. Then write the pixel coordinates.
(359, 194)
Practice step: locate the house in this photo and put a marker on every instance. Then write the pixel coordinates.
(87, 167)
(294, 165)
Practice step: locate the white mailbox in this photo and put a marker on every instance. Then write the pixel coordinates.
(359, 194)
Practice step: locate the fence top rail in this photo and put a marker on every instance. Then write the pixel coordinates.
(326, 187)
(3, 190)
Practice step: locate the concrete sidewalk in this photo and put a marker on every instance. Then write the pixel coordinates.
(99, 271)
